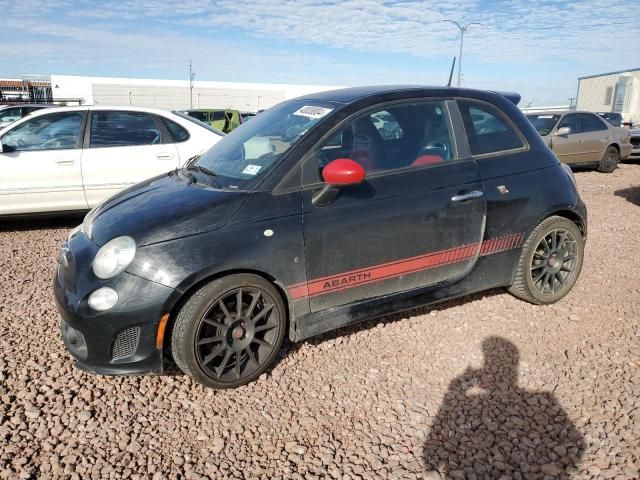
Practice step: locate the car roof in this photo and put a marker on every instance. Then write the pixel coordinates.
(353, 94)
(32, 105)
(98, 108)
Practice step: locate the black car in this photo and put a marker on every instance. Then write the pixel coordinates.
(614, 119)
(306, 219)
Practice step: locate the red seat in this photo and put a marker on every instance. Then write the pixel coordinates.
(427, 160)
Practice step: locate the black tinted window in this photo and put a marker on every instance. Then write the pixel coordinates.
(178, 133)
(50, 132)
(487, 130)
(572, 122)
(218, 115)
(413, 134)
(123, 129)
(591, 123)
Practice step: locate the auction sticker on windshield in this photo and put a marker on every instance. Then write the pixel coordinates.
(311, 111)
(251, 169)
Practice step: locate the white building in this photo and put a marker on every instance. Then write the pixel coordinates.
(611, 92)
(174, 94)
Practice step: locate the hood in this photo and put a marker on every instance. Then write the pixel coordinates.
(160, 209)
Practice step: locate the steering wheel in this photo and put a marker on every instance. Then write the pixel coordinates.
(53, 142)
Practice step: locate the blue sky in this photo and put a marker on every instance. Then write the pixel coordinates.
(537, 48)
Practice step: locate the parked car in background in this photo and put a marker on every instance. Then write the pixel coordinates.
(321, 223)
(247, 116)
(583, 138)
(13, 113)
(72, 158)
(613, 118)
(635, 143)
(225, 120)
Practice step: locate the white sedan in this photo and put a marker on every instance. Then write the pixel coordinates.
(71, 158)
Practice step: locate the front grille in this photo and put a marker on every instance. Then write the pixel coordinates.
(74, 341)
(126, 343)
(635, 141)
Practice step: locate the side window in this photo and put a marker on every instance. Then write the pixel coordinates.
(487, 130)
(178, 133)
(57, 131)
(123, 129)
(572, 122)
(409, 134)
(217, 115)
(387, 125)
(10, 115)
(591, 123)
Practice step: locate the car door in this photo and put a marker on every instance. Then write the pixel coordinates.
(416, 220)
(597, 136)
(570, 148)
(40, 164)
(123, 148)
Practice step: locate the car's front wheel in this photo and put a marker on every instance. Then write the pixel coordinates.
(229, 331)
(550, 262)
(609, 161)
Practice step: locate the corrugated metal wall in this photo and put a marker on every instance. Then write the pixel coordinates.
(598, 94)
(177, 98)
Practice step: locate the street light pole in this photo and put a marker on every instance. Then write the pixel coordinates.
(192, 75)
(462, 32)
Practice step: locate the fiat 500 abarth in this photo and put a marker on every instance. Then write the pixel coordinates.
(315, 215)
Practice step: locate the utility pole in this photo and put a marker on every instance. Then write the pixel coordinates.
(192, 75)
(462, 32)
(571, 100)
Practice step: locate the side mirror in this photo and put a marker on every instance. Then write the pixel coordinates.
(343, 172)
(563, 131)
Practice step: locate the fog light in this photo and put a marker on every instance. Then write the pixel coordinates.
(103, 299)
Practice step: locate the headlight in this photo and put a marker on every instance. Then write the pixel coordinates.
(113, 257)
(103, 299)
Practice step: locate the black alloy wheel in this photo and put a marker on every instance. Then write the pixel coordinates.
(229, 331)
(554, 261)
(550, 262)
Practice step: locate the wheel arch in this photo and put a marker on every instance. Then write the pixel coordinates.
(192, 284)
(569, 215)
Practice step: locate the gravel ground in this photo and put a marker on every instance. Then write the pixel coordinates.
(484, 387)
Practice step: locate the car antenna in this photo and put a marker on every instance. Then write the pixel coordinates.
(453, 64)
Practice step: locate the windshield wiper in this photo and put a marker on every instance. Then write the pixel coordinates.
(202, 169)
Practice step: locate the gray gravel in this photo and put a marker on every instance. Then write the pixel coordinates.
(484, 387)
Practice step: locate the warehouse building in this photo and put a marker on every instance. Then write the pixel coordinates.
(611, 92)
(174, 94)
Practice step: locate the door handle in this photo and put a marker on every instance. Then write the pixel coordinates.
(65, 161)
(165, 156)
(467, 196)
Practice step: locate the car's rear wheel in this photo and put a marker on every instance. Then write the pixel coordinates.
(229, 331)
(609, 161)
(550, 262)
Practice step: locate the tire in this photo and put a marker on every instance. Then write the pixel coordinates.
(564, 251)
(221, 347)
(609, 161)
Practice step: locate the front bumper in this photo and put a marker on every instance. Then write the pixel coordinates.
(116, 342)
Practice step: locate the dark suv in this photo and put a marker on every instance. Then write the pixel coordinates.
(309, 218)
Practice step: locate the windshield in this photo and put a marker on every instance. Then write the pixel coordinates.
(246, 154)
(543, 123)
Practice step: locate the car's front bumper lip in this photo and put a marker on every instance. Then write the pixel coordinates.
(95, 339)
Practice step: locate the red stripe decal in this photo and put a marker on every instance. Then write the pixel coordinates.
(397, 268)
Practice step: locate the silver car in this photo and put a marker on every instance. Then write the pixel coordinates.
(583, 138)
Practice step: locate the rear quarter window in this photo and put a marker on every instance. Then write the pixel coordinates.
(177, 132)
(488, 131)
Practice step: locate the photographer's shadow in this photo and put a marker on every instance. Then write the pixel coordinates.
(488, 427)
